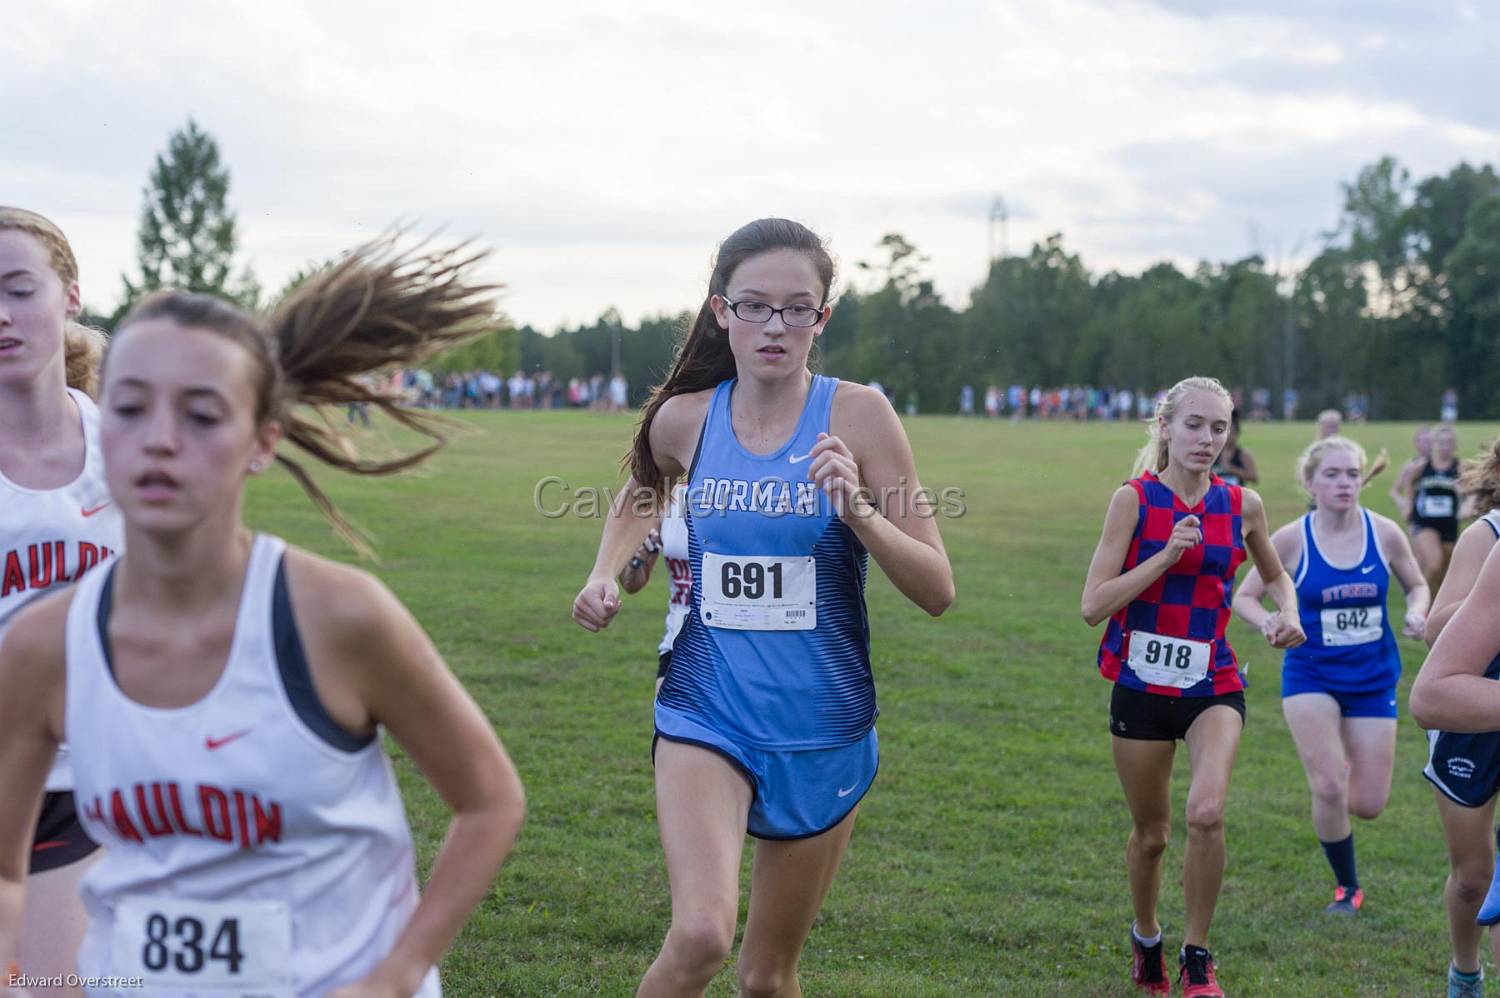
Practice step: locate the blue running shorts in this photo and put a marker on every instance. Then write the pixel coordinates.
(796, 794)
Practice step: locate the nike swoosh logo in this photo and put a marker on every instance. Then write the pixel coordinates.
(1367, 570)
(798, 458)
(216, 743)
(88, 511)
(846, 793)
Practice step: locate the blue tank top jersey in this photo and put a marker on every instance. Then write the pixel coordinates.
(1350, 646)
(776, 687)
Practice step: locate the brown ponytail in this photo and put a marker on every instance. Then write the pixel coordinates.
(704, 359)
(376, 307)
(1481, 480)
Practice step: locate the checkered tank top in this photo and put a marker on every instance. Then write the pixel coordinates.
(1191, 600)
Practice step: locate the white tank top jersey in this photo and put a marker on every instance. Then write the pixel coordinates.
(252, 846)
(50, 537)
(674, 551)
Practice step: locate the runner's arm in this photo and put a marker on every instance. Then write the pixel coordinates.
(674, 434)
(1247, 603)
(1401, 489)
(637, 572)
(32, 693)
(1469, 554)
(1106, 590)
(383, 655)
(893, 516)
(1403, 562)
(1450, 692)
(1283, 629)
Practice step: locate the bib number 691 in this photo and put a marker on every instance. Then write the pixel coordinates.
(748, 579)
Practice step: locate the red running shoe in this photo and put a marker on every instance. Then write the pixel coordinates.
(1346, 902)
(1197, 974)
(1146, 969)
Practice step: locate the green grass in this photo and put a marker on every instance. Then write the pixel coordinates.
(988, 859)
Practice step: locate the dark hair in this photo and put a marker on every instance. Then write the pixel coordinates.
(704, 358)
(376, 307)
(1481, 479)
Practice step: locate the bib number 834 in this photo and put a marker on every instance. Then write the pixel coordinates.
(179, 944)
(1165, 653)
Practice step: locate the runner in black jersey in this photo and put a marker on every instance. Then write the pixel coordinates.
(1235, 464)
(1428, 494)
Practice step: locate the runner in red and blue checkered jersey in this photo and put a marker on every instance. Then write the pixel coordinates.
(1163, 575)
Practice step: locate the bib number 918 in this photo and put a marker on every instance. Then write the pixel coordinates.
(1166, 653)
(1162, 660)
(179, 944)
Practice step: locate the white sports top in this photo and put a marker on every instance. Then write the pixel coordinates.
(252, 846)
(674, 551)
(49, 537)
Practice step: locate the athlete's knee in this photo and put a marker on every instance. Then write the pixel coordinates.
(1330, 788)
(765, 978)
(1205, 815)
(1150, 840)
(1471, 882)
(700, 943)
(1367, 804)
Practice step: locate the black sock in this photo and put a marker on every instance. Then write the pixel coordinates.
(1341, 857)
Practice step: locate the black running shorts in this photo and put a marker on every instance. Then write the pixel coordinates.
(1156, 718)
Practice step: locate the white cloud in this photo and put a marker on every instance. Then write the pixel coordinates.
(603, 149)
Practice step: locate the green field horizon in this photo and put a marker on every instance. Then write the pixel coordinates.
(989, 857)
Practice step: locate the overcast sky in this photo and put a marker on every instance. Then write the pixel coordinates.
(604, 148)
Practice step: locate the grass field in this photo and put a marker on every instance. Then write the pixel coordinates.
(989, 858)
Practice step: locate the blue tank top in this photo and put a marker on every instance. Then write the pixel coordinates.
(775, 651)
(1350, 647)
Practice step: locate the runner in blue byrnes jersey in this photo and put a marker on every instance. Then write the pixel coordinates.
(1338, 689)
(1465, 767)
(765, 721)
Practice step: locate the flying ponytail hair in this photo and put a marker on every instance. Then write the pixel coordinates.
(1481, 480)
(704, 358)
(376, 307)
(83, 348)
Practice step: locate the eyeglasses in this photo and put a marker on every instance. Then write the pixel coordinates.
(791, 315)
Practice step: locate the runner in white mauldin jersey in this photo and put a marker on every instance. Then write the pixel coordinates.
(668, 539)
(56, 522)
(223, 694)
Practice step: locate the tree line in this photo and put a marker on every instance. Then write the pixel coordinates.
(1401, 302)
